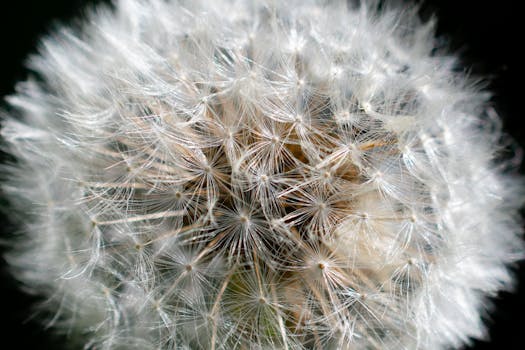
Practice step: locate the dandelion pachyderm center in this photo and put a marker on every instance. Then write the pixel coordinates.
(258, 175)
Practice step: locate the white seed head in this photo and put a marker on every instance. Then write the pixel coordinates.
(236, 174)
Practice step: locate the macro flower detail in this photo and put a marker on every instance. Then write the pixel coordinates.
(237, 174)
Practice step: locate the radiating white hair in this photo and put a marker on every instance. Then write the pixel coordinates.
(258, 175)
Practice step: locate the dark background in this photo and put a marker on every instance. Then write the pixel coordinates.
(486, 34)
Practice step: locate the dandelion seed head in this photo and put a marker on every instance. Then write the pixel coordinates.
(257, 175)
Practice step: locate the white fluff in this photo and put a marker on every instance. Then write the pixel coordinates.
(258, 175)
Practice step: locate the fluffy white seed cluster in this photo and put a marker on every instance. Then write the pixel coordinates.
(258, 175)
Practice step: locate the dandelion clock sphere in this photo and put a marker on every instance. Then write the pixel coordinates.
(258, 175)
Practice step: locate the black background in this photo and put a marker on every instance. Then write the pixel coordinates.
(487, 35)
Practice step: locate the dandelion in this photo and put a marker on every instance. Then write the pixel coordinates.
(258, 175)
